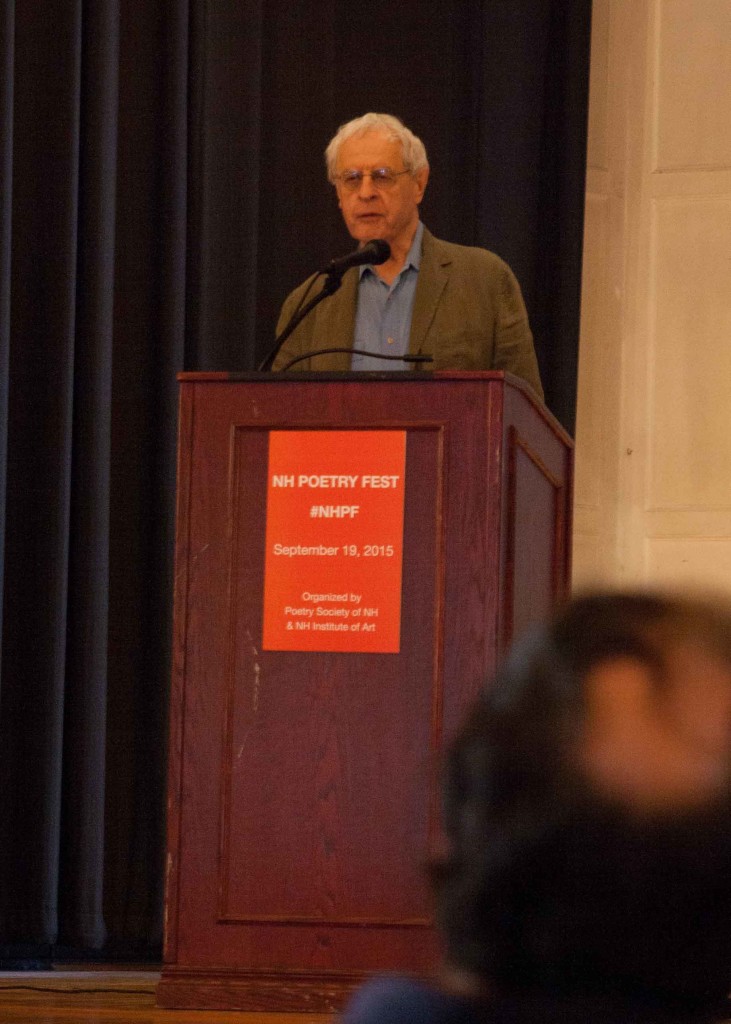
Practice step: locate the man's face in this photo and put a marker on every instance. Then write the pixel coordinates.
(369, 212)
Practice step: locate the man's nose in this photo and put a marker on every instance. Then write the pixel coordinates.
(366, 188)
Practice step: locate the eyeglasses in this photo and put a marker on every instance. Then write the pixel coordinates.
(383, 178)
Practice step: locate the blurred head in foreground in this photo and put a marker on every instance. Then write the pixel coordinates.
(587, 812)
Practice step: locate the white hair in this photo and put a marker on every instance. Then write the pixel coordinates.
(413, 151)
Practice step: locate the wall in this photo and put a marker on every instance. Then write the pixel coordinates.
(653, 473)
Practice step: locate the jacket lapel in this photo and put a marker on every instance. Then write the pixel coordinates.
(336, 316)
(433, 276)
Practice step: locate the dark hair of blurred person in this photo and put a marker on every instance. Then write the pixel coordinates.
(587, 872)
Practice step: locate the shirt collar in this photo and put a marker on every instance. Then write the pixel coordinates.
(413, 257)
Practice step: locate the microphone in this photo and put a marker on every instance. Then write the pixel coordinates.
(376, 251)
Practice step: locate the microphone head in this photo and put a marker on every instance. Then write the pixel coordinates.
(375, 251)
(378, 250)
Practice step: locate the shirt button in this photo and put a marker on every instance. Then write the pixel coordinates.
(391, 341)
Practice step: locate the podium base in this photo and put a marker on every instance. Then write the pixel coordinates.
(295, 992)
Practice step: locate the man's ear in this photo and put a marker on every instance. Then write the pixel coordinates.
(421, 178)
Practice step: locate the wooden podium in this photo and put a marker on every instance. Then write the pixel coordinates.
(303, 786)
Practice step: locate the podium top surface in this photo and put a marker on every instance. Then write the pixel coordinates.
(361, 377)
(365, 377)
(402, 376)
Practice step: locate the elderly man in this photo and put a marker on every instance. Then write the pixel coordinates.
(459, 305)
(587, 867)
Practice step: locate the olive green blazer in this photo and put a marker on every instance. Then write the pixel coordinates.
(468, 314)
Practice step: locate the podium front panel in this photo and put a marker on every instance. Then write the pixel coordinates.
(304, 802)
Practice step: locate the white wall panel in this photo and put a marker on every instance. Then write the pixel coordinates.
(653, 492)
(693, 84)
(690, 562)
(690, 455)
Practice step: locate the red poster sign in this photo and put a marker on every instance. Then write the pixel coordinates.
(334, 540)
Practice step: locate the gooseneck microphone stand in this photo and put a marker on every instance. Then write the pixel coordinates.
(331, 285)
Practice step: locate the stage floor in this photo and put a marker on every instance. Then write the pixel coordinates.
(111, 996)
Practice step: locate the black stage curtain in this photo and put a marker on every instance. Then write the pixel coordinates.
(161, 190)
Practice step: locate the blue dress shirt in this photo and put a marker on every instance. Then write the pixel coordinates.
(383, 314)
